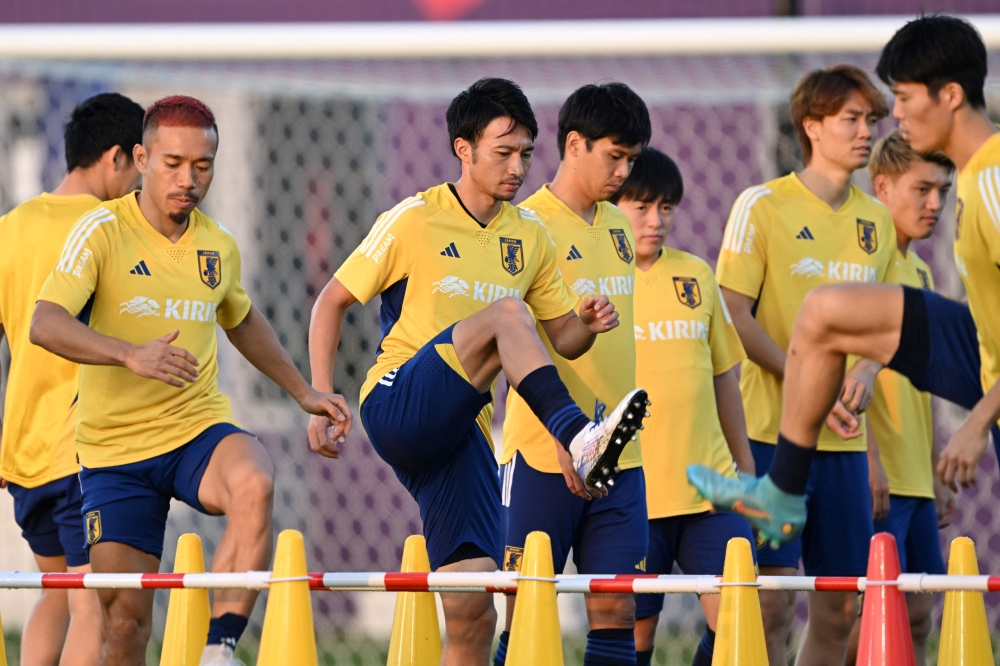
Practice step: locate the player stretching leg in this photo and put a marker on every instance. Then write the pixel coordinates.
(687, 350)
(38, 461)
(601, 131)
(147, 270)
(936, 66)
(454, 266)
(909, 504)
(783, 239)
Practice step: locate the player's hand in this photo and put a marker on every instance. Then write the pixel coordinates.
(330, 424)
(599, 314)
(957, 466)
(323, 438)
(859, 386)
(158, 359)
(879, 484)
(841, 421)
(573, 480)
(945, 503)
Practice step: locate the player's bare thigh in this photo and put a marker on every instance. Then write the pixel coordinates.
(861, 319)
(475, 339)
(240, 465)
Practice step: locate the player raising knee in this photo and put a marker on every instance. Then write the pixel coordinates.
(152, 276)
(913, 187)
(785, 238)
(38, 459)
(455, 266)
(687, 351)
(601, 131)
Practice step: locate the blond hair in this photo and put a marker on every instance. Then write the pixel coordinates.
(893, 156)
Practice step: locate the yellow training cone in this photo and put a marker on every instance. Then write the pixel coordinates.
(739, 635)
(965, 636)
(3, 649)
(288, 636)
(416, 637)
(535, 639)
(188, 612)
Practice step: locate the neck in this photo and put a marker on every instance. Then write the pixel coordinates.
(972, 129)
(567, 189)
(82, 181)
(645, 261)
(903, 243)
(829, 182)
(162, 223)
(484, 207)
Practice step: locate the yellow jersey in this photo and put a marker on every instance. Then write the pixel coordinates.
(130, 282)
(41, 386)
(900, 416)
(434, 265)
(596, 260)
(977, 250)
(782, 241)
(684, 339)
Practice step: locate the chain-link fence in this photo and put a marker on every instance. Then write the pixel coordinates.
(312, 152)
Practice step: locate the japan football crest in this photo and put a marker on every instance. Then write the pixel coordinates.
(622, 247)
(93, 520)
(511, 255)
(210, 268)
(867, 238)
(688, 291)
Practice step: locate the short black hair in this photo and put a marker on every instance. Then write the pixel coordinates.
(99, 124)
(935, 50)
(485, 100)
(610, 110)
(654, 178)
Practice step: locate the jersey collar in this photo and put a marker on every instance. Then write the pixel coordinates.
(819, 202)
(555, 201)
(133, 204)
(456, 201)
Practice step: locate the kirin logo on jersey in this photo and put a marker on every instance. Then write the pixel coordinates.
(451, 285)
(622, 247)
(867, 238)
(808, 267)
(511, 255)
(640, 332)
(688, 291)
(210, 268)
(585, 287)
(142, 306)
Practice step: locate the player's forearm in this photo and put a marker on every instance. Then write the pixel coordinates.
(729, 404)
(759, 345)
(570, 338)
(987, 411)
(256, 341)
(57, 331)
(325, 326)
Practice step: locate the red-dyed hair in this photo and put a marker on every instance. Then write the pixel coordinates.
(178, 111)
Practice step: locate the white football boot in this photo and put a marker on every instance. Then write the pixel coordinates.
(596, 448)
(219, 655)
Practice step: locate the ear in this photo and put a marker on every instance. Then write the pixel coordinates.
(464, 150)
(573, 142)
(140, 157)
(812, 127)
(880, 186)
(952, 95)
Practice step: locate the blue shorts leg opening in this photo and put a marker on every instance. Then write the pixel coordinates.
(49, 518)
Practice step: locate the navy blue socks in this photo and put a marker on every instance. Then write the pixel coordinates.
(501, 656)
(706, 648)
(610, 647)
(790, 467)
(643, 658)
(226, 629)
(548, 398)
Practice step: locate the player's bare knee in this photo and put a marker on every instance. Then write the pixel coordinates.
(813, 323)
(254, 493)
(123, 628)
(513, 311)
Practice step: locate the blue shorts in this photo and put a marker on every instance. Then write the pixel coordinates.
(939, 350)
(839, 526)
(608, 535)
(696, 542)
(913, 521)
(129, 503)
(49, 517)
(421, 419)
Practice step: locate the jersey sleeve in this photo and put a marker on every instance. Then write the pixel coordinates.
(386, 255)
(549, 297)
(83, 258)
(724, 341)
(743, 258)
(236, 303)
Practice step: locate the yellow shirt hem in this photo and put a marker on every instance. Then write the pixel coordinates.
(101, 460)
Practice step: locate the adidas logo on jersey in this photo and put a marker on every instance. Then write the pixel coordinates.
(450, 251)
(573, 253)
(805, 234)
(140, 269)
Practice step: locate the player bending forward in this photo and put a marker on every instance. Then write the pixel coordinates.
(38, 461)
(687, 352)
(936, 66)
(601, 130)
(455, 266)
(145, 271)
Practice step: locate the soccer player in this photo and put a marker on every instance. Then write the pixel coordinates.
(913, 187)
(148, 270)
(455, 266)
(38, 462)
(783, 239)
(687, 353)
(936, 66)
(601, 130)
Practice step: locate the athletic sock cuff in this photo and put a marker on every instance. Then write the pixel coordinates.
(226, 629)
(790, 467)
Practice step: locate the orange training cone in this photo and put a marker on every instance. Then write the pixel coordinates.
(416, 637)
(965, 635)
(740, 630)
(188, 612)
(535, 638)
(288, 636)
(885, 638)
